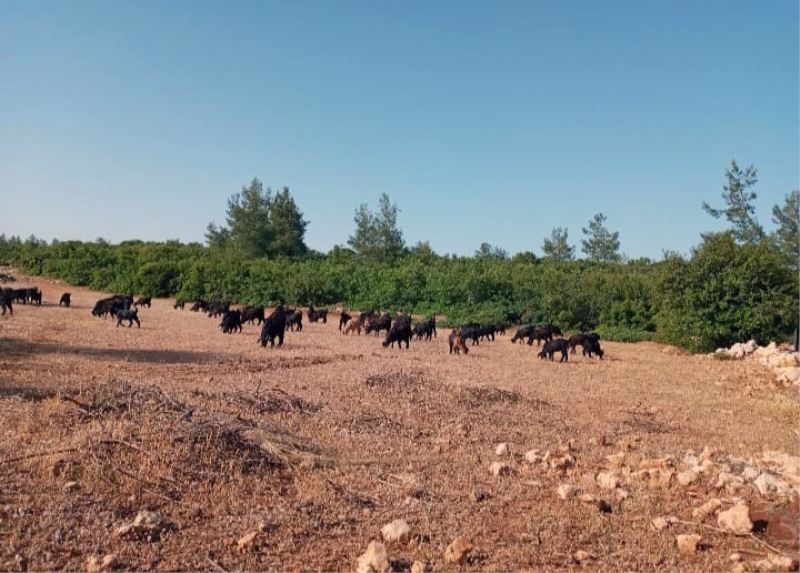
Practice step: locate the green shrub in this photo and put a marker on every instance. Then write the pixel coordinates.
(725, 293)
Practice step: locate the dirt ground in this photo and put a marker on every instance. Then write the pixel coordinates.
(316, 445)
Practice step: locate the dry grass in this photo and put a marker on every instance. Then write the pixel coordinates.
(332, 436)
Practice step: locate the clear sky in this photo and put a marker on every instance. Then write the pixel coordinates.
(484, 121)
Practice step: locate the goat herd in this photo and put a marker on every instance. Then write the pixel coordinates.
(399, 329)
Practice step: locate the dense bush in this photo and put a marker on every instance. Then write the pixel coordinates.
(725, 293)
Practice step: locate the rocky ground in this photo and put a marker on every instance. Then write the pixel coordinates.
(175, 447)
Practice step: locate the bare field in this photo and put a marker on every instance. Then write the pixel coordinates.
(320, 443)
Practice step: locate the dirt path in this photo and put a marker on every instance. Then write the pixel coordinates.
(356, 436)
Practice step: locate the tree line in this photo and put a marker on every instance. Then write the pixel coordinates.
(737, 284)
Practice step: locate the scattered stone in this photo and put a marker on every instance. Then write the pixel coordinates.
(628, 442)
(687, 477)
(659, 523)
(566, 491)
(418, 567)
(616, 460)
(374, 559)
(588, 498)
(660, 478)
(97, 564)
(731, 483)
(786, 464)
(499, 469)
(458, 550)
(780, 518)
(607, 480)
(654, 463)
(147, 524)
(704, 466)
(123, 530)
(621, 494)
(736, 519)
(398, 531)
(70, 486)
(580, 556)
(750, 473)
(687, 543)
(567, 447)
(735, 557)
(769, 484)
(533, 457)
(248, 541)
(782, 563)
(562, 463)
(706, 509)
(739, 568)
(501, 449)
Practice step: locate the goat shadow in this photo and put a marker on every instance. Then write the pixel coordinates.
(10, 348)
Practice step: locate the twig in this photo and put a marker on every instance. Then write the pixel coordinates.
(85, 407)
(150, 490)
(122, 443)
(723, 531)
(750, 551)
(216, 565)
(36, 455)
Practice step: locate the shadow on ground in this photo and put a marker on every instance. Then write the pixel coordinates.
(11, 348)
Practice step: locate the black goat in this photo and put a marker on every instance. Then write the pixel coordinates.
(274, 327)
(130, 315)
(231, 322)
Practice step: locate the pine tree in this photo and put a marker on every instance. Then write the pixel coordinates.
(376, 234)
(738, 196)
(557, 247)
(600, 244)
(260, 225)
(490, 252)
(288, 225)
(787, 235)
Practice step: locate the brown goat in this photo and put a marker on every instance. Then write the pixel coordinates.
(457, 343)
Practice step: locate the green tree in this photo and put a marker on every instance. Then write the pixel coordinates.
(524, 257)
(787, 235)
(600, 244)
(249, 231)
(288, 225)
(727, 292)
(217, 237)
(260, 225)
(377, 235)
(423, 250)
(557, 247)
(738, 196)
(491, 253)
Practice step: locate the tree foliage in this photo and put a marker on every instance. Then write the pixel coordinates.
(377, 235)
(260, 225)
(490, 252)
(557, 246)
(288, 225)
(724, 293)
(727, 292)
(600, 244)
(787, 233)
(738, 195)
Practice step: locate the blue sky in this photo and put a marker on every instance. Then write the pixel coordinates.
(484, 121)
